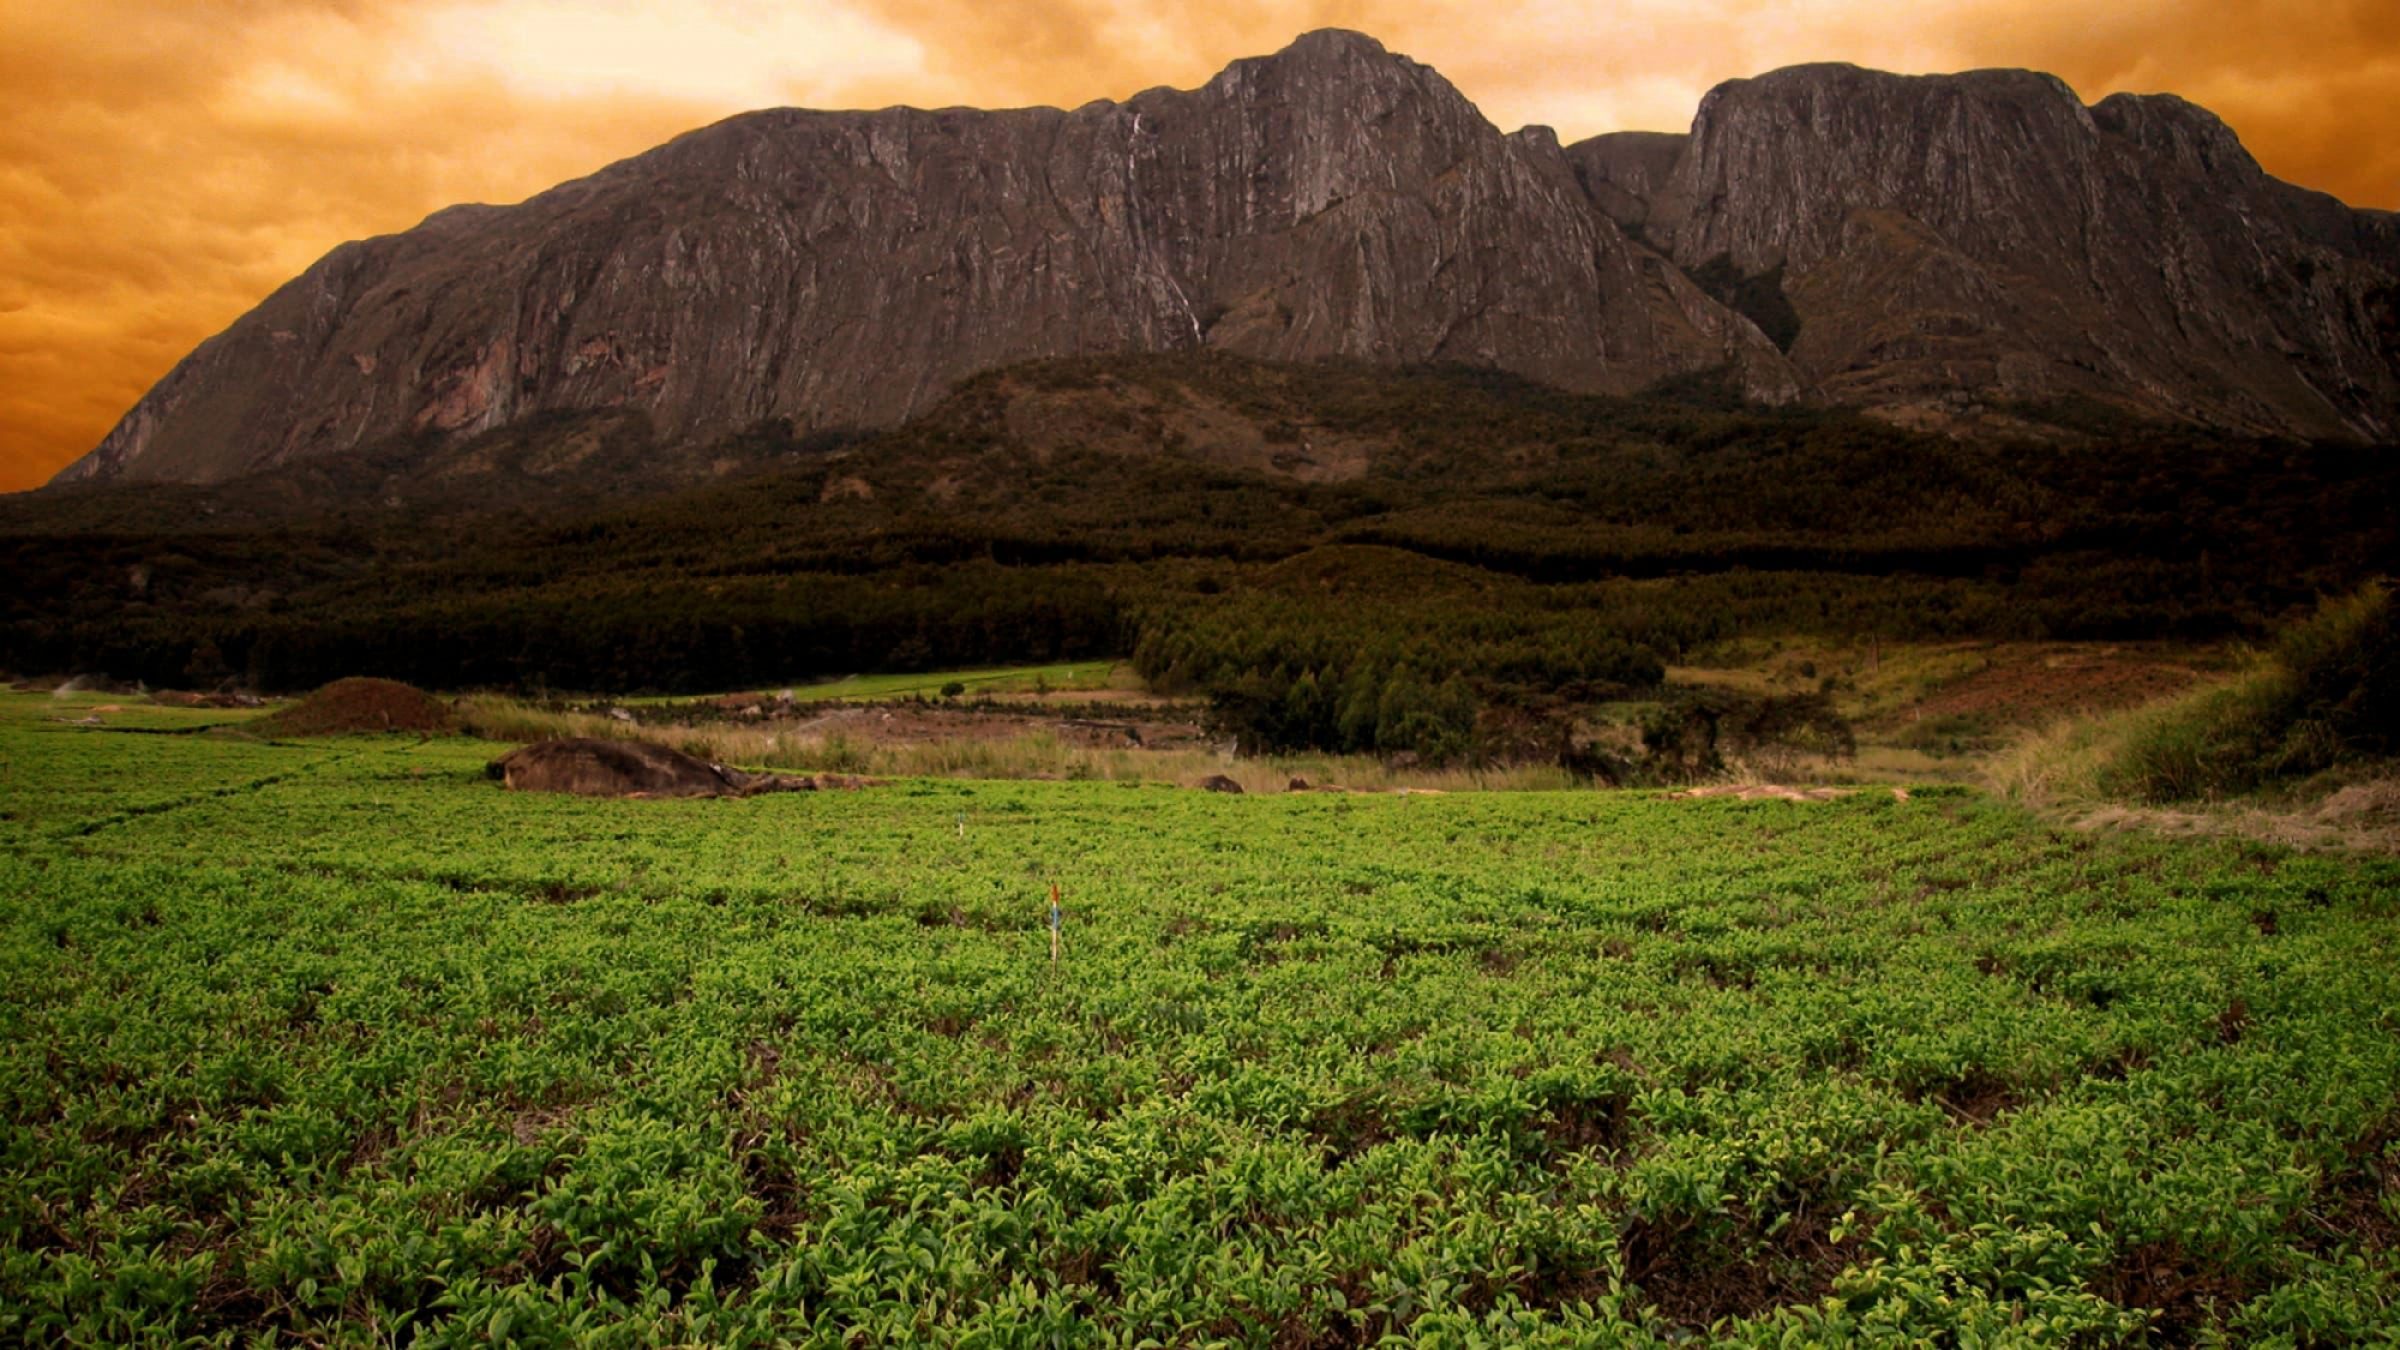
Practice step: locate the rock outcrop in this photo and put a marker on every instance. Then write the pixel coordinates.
(589, 767)
(1986, 235)
(844, 269)
(1909, 244)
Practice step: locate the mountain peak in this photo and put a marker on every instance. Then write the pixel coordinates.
(2168, 125)
(1341, 42)
(1335, 60)
(1887, 241)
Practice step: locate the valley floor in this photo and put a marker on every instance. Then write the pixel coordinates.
(342, 1042)
(1922, 713)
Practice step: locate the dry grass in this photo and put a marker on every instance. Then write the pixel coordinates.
(2057, 765)
(2075, 760)
(1888, 686)
(1033, 754)
(2064, 771)
(2361, 817)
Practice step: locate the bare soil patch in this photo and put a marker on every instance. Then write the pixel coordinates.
(185, 698)
(1695, 1279)
(910, 722)
(2048, 682)
(2352, 1205)
(358, 705)
(2186, 1295)
(1776, 792)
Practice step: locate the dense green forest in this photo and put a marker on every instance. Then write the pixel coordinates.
(1431, 561)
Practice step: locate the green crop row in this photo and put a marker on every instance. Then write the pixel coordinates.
(343, 1044)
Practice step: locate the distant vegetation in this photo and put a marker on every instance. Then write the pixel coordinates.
(2320, 705)
(1374, 650)
(1508, 553)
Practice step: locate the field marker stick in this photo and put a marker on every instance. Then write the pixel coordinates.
(1054, 923)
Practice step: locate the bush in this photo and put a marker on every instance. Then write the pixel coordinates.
(2326, 696)
(2344, 676)
(1691, 735)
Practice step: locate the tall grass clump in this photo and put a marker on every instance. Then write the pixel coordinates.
(2327, 694)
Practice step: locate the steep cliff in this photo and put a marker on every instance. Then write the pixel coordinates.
(1921, 246)
(1987, 235)
(846, 268)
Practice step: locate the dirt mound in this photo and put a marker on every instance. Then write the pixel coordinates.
(601, 768)
(1217, 782)
(352, 706)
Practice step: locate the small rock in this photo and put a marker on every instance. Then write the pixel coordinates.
(1217, 782)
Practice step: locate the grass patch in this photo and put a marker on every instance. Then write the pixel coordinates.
(2328, 694)
(337, 1042)
(1034, 754)
(1062, 677)
(2296, 747)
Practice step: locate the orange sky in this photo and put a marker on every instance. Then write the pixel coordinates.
(166, 163)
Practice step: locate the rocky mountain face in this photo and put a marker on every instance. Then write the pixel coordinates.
(844, 269)
(1920, 246)
(1924, 242)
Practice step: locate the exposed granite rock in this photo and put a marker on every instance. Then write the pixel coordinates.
(1623, 172)
(846, 268)
(1909, 244)
(1987, 235)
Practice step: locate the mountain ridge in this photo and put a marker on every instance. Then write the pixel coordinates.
(844, 269)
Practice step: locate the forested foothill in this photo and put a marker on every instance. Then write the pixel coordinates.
(1440, 562)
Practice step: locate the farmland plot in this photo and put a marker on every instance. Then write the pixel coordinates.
(341, 1043)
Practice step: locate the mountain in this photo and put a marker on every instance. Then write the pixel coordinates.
(1932, 248)
(845, 269)
(1917, 241)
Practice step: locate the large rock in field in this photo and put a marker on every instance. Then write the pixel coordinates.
(598, 768)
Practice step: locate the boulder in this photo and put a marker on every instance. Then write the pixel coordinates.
(602, 768)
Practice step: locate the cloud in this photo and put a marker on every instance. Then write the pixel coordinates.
(163, 167)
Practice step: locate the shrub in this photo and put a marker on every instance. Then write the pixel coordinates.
(1691, 735)
(2326, 695)
(2344, 677)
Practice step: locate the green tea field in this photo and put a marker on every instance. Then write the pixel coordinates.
(340, 1043)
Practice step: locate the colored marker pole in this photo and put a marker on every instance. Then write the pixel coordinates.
(1055, 923)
